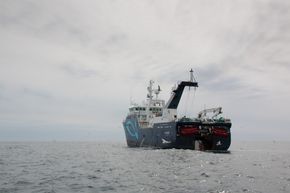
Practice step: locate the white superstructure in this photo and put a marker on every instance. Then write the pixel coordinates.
(151, 109)
(155, 110)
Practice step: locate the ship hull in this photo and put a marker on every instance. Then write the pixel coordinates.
(181, 135)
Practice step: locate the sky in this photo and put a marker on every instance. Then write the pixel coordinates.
(69, 69)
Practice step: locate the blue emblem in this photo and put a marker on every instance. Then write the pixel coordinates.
(132, 128)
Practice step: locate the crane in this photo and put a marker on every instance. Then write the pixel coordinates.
(216, 111)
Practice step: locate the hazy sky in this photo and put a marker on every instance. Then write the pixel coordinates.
(68, 68)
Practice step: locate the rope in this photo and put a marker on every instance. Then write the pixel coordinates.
(194, 94)
(191, 104)
(186, 101)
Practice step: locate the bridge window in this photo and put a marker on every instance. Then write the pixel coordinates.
(139, 109)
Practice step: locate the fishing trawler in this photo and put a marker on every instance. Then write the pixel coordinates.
(156, 123)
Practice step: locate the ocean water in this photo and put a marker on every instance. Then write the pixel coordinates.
(112, 167)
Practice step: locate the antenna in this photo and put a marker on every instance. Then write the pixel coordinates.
(191, 76)
(157, 91)
(150, 89)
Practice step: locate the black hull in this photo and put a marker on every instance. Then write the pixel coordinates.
(175, 135)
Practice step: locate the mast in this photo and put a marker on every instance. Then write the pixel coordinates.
(150, 90)
(191, 75)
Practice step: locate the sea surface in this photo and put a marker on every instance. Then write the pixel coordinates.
(38, 167)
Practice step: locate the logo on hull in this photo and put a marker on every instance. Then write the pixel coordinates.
(165, 141)
(132, 128)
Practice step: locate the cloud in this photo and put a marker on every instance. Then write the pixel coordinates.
(79, 71)
(36, 93)
(66, 63)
